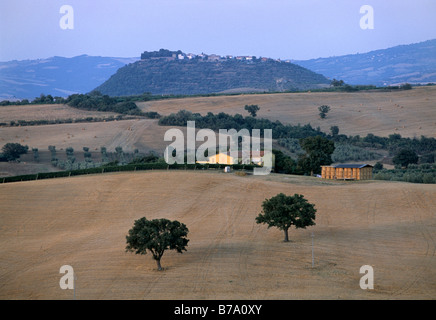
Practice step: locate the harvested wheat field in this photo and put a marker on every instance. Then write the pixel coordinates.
(144, 134)
(83, 221)
(409, 112)
(49, 112)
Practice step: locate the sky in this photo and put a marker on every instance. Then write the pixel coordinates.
(279, 29)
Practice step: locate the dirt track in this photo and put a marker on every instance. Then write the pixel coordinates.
(82, 221)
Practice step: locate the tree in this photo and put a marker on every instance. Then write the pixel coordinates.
(283, 163)
(70, 154)
(12, 151)
(337, 83)
(378, 166)
(406, 86)
(283, 211)
(319, 152)
(252, 109)
(334, 130)
(323, 111)
(156, 236)
(35, 154)
(87, 154)
(405, 157)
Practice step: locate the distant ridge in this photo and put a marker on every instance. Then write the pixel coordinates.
(174, 72)
(413, 63)
(57, 76)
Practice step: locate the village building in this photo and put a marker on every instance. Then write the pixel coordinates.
(213, 57)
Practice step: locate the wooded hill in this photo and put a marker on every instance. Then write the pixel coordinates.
(174, 72)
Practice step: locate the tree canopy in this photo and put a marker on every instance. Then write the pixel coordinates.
(252, 109)
(323, 111)
(12, 151)
(283, 211)
(156, 236)
(405, 157)
(319, 152)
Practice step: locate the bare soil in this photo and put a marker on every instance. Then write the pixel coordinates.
(82, 222)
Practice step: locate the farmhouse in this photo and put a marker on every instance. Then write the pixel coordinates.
(254, 157)
(347, 172)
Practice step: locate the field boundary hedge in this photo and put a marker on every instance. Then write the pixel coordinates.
(124, 168)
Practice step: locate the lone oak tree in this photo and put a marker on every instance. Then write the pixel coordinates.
(252, 109)
(283, 211)
(157, 235)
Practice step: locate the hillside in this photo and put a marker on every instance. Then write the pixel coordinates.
(184, 74)
(387, 225)
(413, 63)
(57, 76)
(409, 113)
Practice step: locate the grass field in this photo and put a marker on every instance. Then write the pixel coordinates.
(82, 222)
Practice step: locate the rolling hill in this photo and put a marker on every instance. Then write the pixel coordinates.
(57, 76)
(413, 63)
(167, 72)
(174, 72)
(82, 222)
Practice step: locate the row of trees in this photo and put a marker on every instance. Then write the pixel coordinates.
(13, 151)
(42, 99)
(393, 143)
(158, 235)
(414, 173)
(22, 123)
(238, 122)
(340, 85)
(95, 101)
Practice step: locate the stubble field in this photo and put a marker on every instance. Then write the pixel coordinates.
(410, 112)
(83, 221)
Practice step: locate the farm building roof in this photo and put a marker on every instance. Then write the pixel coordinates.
(358, 166)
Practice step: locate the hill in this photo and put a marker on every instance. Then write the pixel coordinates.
(174, 72)
(387, 225)
(409, 113)
(413, 63)
(57, 76)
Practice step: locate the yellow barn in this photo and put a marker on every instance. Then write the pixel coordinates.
(347, 172)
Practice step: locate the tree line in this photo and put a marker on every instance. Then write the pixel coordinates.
(225, 121)
(349, 147)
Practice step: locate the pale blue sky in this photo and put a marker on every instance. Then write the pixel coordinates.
(286, 29)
